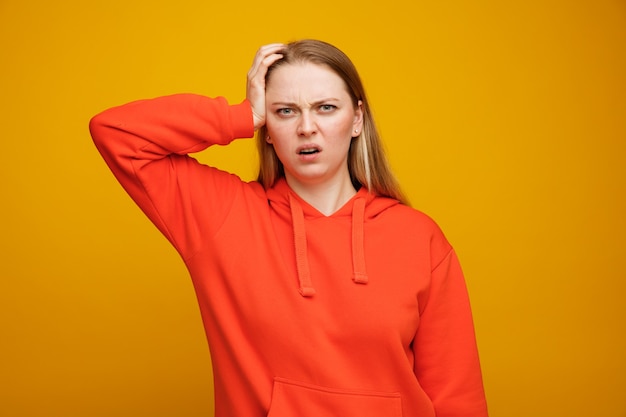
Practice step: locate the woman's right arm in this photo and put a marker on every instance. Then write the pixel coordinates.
(145, 143)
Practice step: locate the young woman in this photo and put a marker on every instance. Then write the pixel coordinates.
(321, 292)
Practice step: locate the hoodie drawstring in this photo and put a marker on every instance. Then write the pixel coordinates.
(302, 260)
(359, 274)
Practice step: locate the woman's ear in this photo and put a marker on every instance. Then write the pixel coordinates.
(268, 139)
(357, 125)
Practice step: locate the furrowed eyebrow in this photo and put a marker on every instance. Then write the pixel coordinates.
(325, 101)
(283, 104)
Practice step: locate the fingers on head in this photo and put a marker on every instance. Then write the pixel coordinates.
(271, 51)
(265, 57)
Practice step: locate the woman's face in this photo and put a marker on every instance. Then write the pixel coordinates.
(310, 121)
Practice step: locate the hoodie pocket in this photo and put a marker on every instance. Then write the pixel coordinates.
(296, 399)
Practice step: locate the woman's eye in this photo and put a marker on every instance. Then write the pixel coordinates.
(284, 112)
(327, 107)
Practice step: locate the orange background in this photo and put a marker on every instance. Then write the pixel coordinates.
(505, 121)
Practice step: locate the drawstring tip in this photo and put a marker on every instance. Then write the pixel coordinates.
(307, 291)
(360, 278)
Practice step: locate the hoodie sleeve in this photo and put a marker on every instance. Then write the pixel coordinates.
(446, 356)
(146, 143)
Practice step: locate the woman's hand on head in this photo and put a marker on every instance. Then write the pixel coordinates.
(255, 91)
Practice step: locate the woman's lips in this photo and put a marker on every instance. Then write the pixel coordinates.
(308, 152)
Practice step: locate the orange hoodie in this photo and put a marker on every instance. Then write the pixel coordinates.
(362, 313)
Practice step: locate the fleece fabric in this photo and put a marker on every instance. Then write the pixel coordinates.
(361, 313)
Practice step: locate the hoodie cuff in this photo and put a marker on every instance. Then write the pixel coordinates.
(241, 119)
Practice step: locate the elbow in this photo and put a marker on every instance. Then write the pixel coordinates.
(97, 127)
(102, 128)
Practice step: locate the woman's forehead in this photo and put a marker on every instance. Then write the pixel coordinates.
(304, 78)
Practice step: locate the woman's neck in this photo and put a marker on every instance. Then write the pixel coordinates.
(326, 198)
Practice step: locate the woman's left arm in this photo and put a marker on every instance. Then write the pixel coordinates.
(446, 356)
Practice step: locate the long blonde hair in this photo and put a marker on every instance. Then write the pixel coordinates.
(367, 162)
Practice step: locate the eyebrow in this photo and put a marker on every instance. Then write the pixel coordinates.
(314, 104)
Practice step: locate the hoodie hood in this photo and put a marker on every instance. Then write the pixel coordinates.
(363, 206)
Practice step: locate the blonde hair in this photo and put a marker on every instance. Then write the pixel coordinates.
(367, 162)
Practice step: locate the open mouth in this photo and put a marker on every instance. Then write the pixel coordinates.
(308, 150)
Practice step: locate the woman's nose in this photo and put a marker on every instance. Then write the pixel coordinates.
(306, 125)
